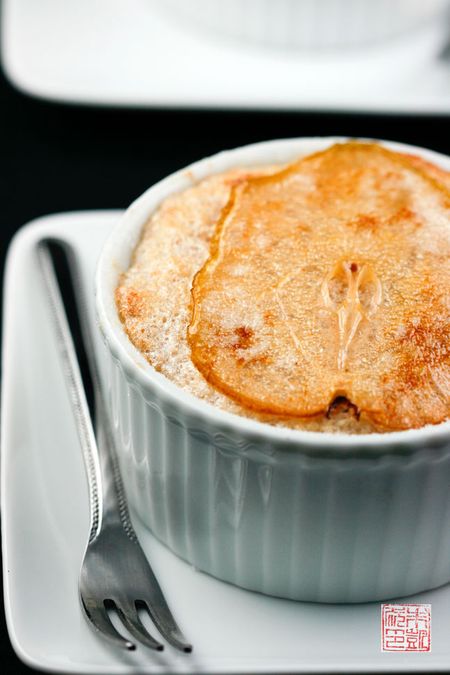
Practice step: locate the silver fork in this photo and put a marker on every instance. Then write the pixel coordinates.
(115, 573)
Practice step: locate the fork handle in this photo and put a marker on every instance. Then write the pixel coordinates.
(106, 492)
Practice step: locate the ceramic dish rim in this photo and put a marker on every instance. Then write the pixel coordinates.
(126, 234)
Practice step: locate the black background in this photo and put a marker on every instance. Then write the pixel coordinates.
(57, 157)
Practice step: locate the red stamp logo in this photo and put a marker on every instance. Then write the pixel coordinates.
(405, 628)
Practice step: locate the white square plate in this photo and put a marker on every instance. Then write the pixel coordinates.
(45, 525)
(131, 53)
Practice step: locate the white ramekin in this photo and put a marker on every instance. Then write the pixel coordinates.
(307, 23)
(302, 515)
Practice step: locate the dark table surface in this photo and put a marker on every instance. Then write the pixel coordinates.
(56, 158)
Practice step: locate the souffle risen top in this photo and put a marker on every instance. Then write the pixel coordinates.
(314, 295)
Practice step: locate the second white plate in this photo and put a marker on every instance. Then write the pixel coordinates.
(131, 53)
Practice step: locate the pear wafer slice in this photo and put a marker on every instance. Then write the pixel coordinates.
(331, 279)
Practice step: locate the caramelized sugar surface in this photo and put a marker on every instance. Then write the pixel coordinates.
(330, 280)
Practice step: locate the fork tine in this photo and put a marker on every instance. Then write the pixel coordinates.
(133, 623)
(166, 624)
(100, 621)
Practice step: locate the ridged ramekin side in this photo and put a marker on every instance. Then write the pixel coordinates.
(307, 23)
(325, 529)
(309, 516)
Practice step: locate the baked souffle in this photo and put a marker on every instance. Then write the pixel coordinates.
(314, 295)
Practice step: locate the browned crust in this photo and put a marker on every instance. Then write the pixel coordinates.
(414, 388)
